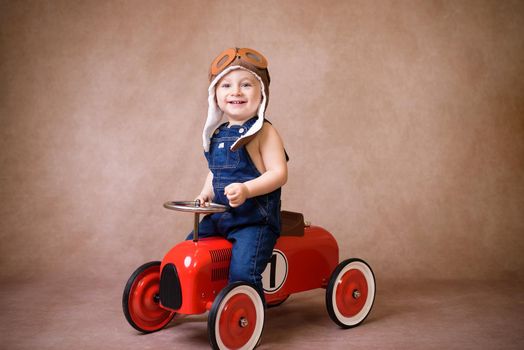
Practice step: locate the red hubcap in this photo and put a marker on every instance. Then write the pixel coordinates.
(237, 321)
(143, 308)
(352, 293)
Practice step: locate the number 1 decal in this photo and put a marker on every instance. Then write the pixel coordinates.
(275, 274)
(272, 272)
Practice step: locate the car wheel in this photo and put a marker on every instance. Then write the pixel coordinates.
(141, 301)
(236, 319)
(350, 293)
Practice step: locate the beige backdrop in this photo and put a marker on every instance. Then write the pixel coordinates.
(404, 121)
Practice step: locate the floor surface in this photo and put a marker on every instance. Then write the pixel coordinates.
(70, 314)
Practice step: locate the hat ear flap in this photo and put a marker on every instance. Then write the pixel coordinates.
(214, 116)
(216, 101)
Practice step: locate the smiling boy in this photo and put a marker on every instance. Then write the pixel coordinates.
(247, 163)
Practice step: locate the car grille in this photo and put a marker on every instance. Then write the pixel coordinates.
(220, 259)
(220, 255)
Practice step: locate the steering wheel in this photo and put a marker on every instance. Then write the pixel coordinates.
(194, 207)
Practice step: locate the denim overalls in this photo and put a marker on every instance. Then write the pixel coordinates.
(253, 227)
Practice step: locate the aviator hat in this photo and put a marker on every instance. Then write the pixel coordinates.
(229, 60)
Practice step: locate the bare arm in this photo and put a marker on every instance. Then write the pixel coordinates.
(207, 194)
(273, 156)
(274, 159)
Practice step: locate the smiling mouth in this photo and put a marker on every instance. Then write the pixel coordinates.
(237, 102)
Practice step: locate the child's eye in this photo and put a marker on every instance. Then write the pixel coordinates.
(246, 85)
(225, 85)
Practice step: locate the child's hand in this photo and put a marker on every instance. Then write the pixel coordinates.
(236, 194)
(204, 199)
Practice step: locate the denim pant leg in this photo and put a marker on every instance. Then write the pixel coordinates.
(252, 250)
(206, 228)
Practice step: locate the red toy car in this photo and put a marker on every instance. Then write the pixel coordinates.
(193, 278)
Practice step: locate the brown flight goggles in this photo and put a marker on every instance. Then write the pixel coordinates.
(247, 55)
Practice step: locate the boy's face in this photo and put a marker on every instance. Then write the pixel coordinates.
(238, 95)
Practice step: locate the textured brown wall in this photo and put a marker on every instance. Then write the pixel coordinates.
(404, 121)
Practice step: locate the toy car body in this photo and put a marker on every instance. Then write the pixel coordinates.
(192, 279)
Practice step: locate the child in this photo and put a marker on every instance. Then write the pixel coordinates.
(247, 163)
